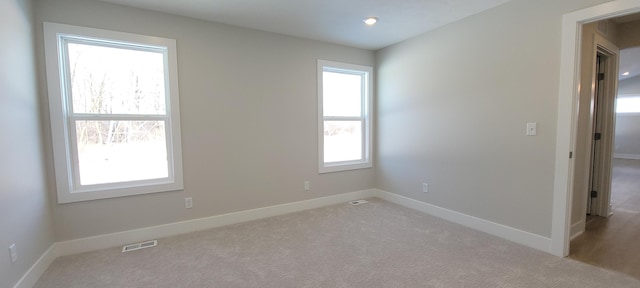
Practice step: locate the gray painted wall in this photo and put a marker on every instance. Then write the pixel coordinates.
(453, 106)
(627, 139)
(629, 86)
(248, 113)
(25, 216)
(629, 34)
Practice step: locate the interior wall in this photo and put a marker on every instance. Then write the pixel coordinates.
(629, 34)
(452, 111)
(627, 139)
(248, 104)
(630, 86)
(25, 215)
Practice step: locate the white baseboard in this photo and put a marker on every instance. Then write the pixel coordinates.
(127, 237)
(519, 236)
(577, 229)
(37, 269)
(627, 156)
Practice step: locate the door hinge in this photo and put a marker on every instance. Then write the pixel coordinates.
(594, 194)
(570, 155)
(597, 136)
(600, 76)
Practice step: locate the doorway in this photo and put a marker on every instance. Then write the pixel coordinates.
(611, 242)
(567, 131)
(595, 126)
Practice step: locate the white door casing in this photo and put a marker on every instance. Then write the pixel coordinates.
(568, 113)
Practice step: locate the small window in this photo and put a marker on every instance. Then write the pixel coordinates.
(344, 109)
(628, 104)
(114, 108)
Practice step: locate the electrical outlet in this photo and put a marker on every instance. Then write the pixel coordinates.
(307, 186)
(425, 188)
(188, 202)
(13, 252)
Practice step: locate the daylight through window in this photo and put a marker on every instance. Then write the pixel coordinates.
(114, 113)
(345, 112)
(628, 104)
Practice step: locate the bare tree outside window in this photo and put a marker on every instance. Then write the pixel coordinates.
(111, 88)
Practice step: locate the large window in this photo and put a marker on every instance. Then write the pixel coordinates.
(628, 105)
(113, 100)
(344, 109)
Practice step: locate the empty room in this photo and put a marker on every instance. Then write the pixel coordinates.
(282, 143)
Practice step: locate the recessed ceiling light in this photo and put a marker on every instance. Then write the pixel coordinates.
(370, 21)
(625, 74)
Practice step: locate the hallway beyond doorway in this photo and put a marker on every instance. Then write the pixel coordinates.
(612, 242)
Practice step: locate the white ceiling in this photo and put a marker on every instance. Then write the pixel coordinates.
(335, 21)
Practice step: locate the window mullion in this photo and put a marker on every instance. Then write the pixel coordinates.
(117, 117)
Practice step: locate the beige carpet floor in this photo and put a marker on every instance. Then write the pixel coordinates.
(614, 242)
(379, 244)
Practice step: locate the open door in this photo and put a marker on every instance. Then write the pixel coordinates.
(605, 86)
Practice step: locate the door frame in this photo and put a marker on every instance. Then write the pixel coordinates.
(607, 119)
(566, 127)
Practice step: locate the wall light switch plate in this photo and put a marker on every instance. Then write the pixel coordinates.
(13, 252)
(532, 129)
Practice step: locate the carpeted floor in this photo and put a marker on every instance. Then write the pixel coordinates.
(378, 244)
(614, 242)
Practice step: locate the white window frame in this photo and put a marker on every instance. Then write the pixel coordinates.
(63, 136)
(367, 73)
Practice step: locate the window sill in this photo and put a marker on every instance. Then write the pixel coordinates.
(102, 192)
(344, 166)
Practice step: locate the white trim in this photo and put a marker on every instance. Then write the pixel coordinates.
(37, 269)
(578, 228)
(94, 243)
(567, 113)
(121, 238)
(82, 245)
(509, 233)
(626, 156)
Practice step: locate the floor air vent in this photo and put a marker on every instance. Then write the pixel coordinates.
(358, 202)
(138, 246)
